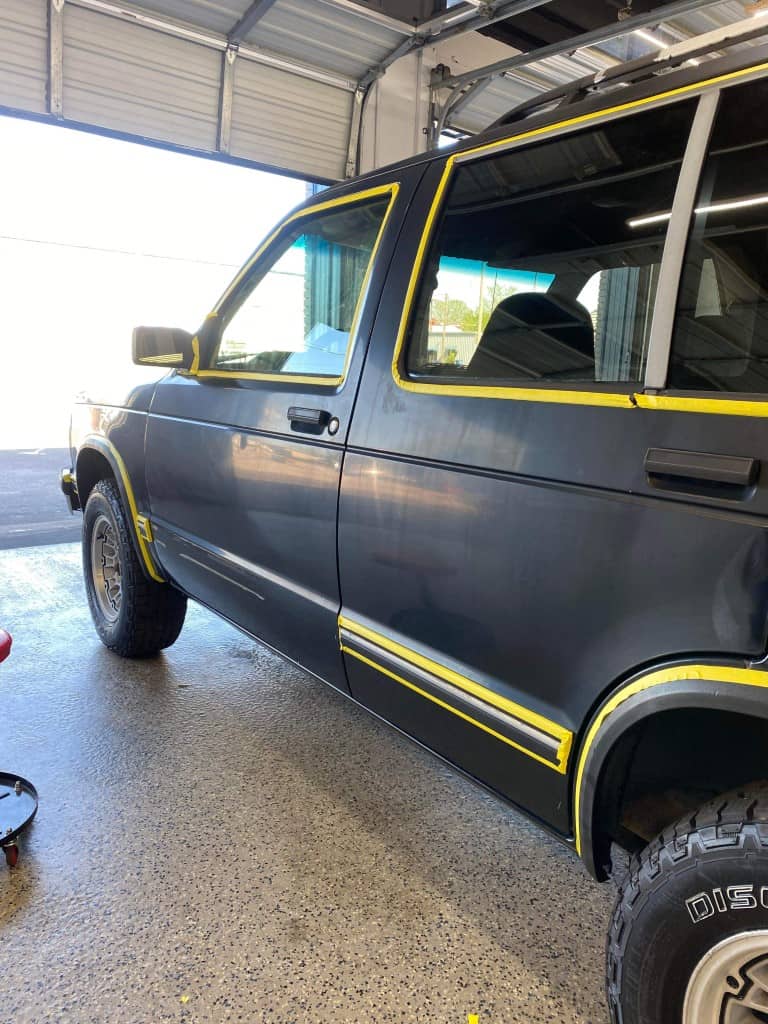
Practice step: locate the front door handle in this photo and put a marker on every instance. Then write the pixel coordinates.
(312, 421)
(732, 470)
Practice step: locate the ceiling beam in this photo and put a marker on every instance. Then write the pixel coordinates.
(452, 22)
(252, 16)
(55, 86)
(375, 17)
(442, 28)
(568, 46)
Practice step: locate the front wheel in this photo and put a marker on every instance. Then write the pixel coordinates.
(134, 616)
(688, 942)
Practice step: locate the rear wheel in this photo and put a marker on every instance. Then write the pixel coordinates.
(134, 616)
(688, 942)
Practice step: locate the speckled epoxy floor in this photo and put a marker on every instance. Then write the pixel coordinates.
(222, 838)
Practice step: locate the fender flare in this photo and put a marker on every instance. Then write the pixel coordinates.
(140, 529)
(715, 687)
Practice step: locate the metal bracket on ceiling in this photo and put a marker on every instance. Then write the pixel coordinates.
(226, 96)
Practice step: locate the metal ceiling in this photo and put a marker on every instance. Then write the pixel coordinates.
(283, 83)
(501, 92)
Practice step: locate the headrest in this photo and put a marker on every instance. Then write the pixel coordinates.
(535, 334)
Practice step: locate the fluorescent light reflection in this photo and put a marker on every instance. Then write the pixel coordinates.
(732, 204)
(649, 37)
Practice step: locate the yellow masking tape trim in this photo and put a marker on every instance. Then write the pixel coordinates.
(145, 554)
(713, 673)
(611, 398)
(558, 732)
(541, 394)
(449, 707)
(718, 406)
(287, 378)
(166, 360)
(195, 364)
(392, 191)
(145, 528)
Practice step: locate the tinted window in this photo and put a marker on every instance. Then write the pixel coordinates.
(536, 272)
(720, 341)
(299, 315)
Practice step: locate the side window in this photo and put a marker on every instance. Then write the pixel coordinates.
(299, 314)
(720, 338)
(545, 261)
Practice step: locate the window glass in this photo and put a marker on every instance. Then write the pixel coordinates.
(299, 315)
(720, 340)
(538, 270)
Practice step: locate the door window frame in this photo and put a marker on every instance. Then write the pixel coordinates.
(631, 395)
(256, 268)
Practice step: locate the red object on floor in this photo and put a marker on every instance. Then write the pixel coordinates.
(5, 644)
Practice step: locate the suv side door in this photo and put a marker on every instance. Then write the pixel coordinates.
(510, 545)
(244, 453)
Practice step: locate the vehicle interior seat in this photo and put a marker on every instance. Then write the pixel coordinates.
(536, 335)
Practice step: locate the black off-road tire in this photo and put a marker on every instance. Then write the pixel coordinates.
(150, 614)
(701, 882)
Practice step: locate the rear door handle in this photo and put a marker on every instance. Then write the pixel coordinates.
(736, 470)
(312, 421)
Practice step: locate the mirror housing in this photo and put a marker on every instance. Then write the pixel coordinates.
(170, 347)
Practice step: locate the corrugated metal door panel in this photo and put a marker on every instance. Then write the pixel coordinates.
(133, 79)
(214, 15)
(23, 54)
(281, 119)
(325, 36)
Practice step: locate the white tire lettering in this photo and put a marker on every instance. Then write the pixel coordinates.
(700, 907)
(741, 897)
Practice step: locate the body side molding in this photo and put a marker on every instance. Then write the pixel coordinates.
(527, 731)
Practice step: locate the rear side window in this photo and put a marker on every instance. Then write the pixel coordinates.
(720, 339)
(537, 271)
(299, 315)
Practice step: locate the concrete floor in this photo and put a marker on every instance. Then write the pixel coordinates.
(222, 838)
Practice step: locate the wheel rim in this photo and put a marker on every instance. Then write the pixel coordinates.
(730, 983)
(105, 568)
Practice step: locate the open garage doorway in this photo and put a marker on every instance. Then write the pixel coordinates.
(98, 235)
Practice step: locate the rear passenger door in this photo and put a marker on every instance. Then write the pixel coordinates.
(508, 549)
(244, 454)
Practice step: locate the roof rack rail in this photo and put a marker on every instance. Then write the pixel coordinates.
(636, 70)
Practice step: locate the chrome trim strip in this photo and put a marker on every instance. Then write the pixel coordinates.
(245, 566)
(221, 575)
(527, 735)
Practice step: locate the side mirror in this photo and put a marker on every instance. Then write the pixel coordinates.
(162, 346)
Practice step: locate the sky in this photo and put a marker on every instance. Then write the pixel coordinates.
(98, 235)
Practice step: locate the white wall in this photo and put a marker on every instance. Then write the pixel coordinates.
(398, 109)
(397, 112)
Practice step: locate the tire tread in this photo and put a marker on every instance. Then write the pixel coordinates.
(738, 820)
(153, 612)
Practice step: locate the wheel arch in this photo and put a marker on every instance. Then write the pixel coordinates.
(673, 701)
(98, 459)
